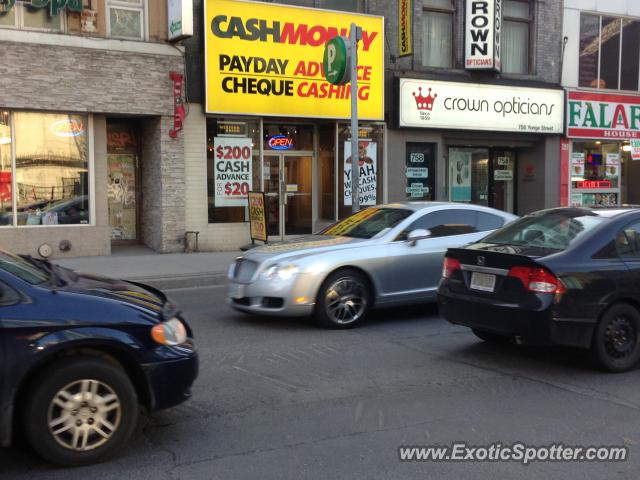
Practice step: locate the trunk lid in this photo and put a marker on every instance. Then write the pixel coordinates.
(485, 272)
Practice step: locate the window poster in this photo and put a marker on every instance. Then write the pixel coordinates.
(577, 164)
(367, 175)
(460, 175)
(232, 170)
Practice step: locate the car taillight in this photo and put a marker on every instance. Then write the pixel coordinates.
(536, 279)
(450, 265)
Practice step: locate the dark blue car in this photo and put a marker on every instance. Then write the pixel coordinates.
(79, 354)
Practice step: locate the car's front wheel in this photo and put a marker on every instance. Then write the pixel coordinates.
(616, 341)
(80, 410)
(344, 299)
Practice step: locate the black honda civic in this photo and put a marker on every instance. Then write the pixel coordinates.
(563, 276)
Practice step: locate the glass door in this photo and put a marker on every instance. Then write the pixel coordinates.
(272, 185)
(288, 191)
(121, 196)
(503, 167)
(298, 200)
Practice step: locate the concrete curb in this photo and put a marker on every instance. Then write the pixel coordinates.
(188, 280)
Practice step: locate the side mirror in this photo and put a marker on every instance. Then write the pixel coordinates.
(418, 234)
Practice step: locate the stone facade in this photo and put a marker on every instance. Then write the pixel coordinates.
(108, 79)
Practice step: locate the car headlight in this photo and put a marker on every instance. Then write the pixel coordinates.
(232, 270)
(282, 272)
(172, 332)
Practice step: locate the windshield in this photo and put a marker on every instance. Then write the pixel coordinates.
(368, 223)
(22, 269)
(554, 231)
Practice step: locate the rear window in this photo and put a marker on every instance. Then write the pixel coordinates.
(555, 231)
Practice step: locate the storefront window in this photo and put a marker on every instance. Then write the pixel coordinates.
(596, 169)
(52, 168)
(589, 50)
(469, 175)
(483, 176)
(6, 199)
(608, 52)
(28, 17)
(283, 137)
(437, 33)
(515, 36)
(126, 19)
(371, 153)
(327, 179)
(233, 167)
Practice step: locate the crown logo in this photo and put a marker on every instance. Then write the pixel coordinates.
(424, 103)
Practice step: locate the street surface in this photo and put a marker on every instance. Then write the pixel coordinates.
(283, 399)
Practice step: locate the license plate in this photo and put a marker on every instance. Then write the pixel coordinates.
(483, 281)
(236, 290)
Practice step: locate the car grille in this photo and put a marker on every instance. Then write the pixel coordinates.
(244, 270)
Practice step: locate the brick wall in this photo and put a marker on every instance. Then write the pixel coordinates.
(163, 186)
(61, 78)
(546, 36)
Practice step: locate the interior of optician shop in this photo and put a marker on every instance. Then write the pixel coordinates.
(304, 170)
(603, 173)
(483, 176)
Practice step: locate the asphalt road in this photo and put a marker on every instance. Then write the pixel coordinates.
(280, 399)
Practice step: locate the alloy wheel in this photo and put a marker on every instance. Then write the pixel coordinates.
(620, 337)
(345, 300)
(84, 415)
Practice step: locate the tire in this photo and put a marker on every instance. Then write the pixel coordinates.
(616, 340)
(344, 299)
(109, 396)
(490, 337)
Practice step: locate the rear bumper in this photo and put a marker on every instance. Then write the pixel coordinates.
(540, 327)
(169, 382)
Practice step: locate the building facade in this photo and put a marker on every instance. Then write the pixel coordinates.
(263, 98)
(601, 75)
(446, 132)
(477, 107)
(86, 155)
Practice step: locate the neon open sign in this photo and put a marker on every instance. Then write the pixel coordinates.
(280, 142)
(592, 184)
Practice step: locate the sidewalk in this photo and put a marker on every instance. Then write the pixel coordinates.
(170, 270)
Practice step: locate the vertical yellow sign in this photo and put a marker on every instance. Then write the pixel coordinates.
(257, 216)
(405, 28)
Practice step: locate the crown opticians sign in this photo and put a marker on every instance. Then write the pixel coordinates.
(55, 6)
(469, 106)
(483, 29)
(602, 115)
(267, 59)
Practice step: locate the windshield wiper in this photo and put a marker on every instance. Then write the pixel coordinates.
(46, 266)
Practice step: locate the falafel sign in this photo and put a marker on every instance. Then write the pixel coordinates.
(266, 59)
(469, 106)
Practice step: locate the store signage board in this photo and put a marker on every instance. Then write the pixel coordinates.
(468, 106)
(55, 6)
(267, 59)
(405, 28)
(603, 116)
(257, 216)
(180, 19)
(483, 30)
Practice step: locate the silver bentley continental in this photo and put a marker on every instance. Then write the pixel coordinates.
(386, 255)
